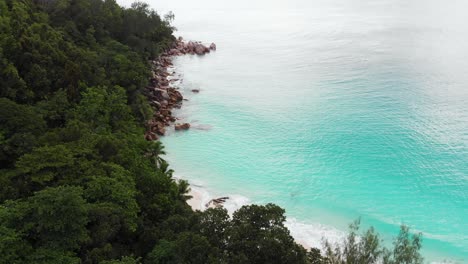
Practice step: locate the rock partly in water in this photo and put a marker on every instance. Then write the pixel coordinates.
(165, 95)
(184, 126)
(150, 136)
(162, 97)
(213, 46)
(199, 49)
(160, 129)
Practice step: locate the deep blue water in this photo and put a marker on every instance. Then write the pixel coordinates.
(334, 110)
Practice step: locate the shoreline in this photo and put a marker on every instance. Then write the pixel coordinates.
(162, 94)
(165, 79)
(308, 235)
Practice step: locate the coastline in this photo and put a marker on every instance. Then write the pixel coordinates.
(164, 96)
(162, 92)
(306, 234)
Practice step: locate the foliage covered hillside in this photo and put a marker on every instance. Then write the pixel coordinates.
(78, 182)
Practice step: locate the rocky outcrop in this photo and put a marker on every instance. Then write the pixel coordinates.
(184, 126)
(150, 136)
(161, 95)
(190, 47)
(213, 46)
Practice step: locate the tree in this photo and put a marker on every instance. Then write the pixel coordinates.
(124, 260)
(52, 218)
(366, 248)
(258, 234)
(12, 248)
(155, 152)
(405, 249)
(20, 126)
(186, 248)
(214, 224)
(355, 249)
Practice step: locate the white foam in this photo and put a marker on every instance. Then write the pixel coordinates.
(235, 202)
(308, 235)
(201, 197)
(313, 234)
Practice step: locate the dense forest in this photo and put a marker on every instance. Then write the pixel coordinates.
(78, 181)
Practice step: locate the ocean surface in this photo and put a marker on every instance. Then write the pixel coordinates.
(332, 109)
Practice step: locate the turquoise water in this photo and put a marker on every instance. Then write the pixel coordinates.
(332, 109)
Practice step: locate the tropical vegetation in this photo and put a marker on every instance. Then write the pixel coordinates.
(78, 181)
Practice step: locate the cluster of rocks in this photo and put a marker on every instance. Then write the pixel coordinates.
(180, 48)
(163, 98)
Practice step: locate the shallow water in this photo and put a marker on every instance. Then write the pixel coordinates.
(334, 110)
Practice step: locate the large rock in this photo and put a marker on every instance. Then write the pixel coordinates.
(200, 49)
(156, 104)
(165, 95)
(160, 129)
(190, 47)
(183, 126)
(213, 46)
(150, 136)
(175, 95)
(165, 112)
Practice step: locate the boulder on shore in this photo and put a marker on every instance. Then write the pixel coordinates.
(162, 97)
(159, 129)
(150, 136)
(184, 126)
(165, 94)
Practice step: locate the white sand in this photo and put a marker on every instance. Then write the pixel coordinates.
(307, 235)
(199, 198)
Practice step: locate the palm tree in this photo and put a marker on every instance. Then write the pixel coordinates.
(155, 151)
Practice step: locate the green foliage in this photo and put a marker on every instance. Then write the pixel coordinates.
(72, 155)
(54, 110)
(44, 228)
(405, 249)
(255, 234)
(52, 256)
(105, 110)
(124, 260)
(187, 248)
(367, 248)
(12, 247)
(355, 249)
(259, 235)
(20, 126)
(315, 257)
